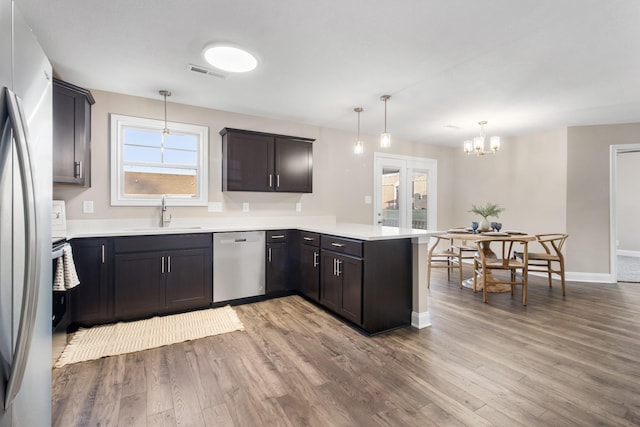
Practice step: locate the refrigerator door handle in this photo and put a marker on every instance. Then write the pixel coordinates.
(32, 253)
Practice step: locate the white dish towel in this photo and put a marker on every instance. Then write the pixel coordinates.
(66, 275)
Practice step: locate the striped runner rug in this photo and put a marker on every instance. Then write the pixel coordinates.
(128, 337)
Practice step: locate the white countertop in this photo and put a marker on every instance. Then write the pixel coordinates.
(317, 224)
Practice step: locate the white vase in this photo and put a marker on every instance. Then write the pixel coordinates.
(484, 225)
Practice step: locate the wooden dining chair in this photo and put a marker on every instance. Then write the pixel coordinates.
(493, 267)
(543, 261)
(443, 257)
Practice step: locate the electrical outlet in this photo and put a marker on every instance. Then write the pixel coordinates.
(245, 207)
(298, 207)
(215, 207)
(367, 200)
(87, 206)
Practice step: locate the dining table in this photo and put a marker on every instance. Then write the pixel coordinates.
(484, 238)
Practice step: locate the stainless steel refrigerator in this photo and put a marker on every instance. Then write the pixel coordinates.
(25, 224)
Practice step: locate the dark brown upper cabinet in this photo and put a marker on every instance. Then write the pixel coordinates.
(71, 134)
(257, 161)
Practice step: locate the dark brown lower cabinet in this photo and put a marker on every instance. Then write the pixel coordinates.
(91, 301)
(149, 282)
(368, 283)
(341, 285)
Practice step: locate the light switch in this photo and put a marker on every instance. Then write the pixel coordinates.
(87, 206)
(367, 200)
(245, 207)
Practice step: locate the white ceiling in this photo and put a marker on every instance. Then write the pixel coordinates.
(524, 66)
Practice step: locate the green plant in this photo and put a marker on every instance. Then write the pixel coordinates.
(490, 209)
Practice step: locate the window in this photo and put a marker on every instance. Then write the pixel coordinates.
(146, 164)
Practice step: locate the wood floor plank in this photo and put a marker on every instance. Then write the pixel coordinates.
(559, 361)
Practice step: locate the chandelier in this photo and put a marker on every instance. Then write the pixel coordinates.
(477, 145)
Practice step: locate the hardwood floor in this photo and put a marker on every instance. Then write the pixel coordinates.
(571, 361)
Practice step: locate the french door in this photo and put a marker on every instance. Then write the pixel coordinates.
(405, 191)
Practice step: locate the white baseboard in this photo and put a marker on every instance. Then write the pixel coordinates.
(590, 277)
(420, 320)
(623, 252)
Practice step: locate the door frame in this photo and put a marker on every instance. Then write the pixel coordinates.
(613, 232)
(407, 165)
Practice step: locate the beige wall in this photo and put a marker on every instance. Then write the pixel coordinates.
(341, 179)
(588, 191)
(628, 201)
(527, 177)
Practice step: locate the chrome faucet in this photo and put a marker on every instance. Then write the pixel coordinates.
(165, 217)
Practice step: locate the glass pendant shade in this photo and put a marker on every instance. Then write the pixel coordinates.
(385, 140)
(468, 146)
(494, 143)
(478, 143)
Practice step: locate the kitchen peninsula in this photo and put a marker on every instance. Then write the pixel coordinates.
(369, 275)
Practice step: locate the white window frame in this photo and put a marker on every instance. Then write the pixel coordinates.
(118, 122)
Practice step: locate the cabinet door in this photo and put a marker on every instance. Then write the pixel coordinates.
(188, 279)
(310, 271)
(71, 134)
(91, 300)
(248, 162)
(293, 167)
(350, 271)
(139, 288)
(330, 283)
(277, 258)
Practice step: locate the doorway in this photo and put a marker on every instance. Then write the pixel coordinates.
(625, 204)
(405, 191)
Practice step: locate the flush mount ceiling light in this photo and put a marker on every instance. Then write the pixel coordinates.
(230, 58)
(359, 148)
(477, 145)
(165, 93)
(385, 137)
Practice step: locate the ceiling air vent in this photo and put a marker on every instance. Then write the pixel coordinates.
(202, 70)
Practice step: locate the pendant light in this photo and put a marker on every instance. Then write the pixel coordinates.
(165, 93)
(385, 137)
(359, 148)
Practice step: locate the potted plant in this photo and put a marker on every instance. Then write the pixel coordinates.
(490, 209)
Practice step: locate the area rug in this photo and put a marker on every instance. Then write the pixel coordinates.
(128, 337)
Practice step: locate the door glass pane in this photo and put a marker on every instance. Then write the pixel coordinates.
(390, 195)
(419, 202)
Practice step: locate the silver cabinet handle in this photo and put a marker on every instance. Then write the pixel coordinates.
(269, 254)
(338, 264)
(270, 180)
(278, 180)
(77, 173)
(102, 253)
(278, 236)
(169, 264)
(309, 239)
(337, 245)
(32, 252)
(334, 266)
(315, 259)
(162, 268)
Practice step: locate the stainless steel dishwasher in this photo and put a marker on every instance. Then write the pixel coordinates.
(238, 265)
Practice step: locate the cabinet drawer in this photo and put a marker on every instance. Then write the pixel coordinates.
(308, 238)
(342, 245)
(275, 236)
(161, 243)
